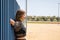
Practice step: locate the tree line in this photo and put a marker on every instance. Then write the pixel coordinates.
(43, 18)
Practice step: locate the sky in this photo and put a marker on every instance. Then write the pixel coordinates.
(40, 7)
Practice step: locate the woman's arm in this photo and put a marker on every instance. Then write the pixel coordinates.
(12, 22)
(16, 25)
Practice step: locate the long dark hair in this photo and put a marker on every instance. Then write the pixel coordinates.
(19, 14)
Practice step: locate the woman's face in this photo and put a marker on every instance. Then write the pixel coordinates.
(23, 17)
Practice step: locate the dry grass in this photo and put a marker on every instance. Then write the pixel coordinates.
(43, 31)
(43, 22)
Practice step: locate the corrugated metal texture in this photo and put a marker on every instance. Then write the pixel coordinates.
(9, 8)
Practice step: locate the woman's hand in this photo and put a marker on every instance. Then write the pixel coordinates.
(12, 22)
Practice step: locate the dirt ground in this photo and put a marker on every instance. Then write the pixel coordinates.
(43, 31)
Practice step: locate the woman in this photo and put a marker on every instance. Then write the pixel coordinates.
(19, 29)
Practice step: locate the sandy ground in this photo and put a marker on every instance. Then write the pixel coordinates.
(43, 31)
